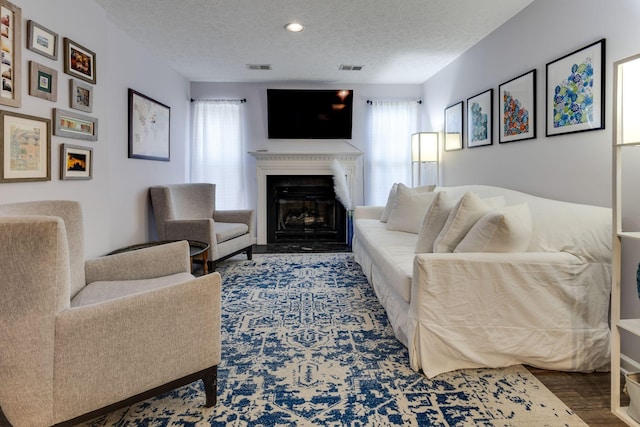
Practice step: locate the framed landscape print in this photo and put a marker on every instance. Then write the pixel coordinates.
(480, 120)
(149, 126)
(74, 125)
(42, 40)
(43, 81)
(575, 91)
(76, 162)
(81, 96)
(453, 133)
(10, 52)
(79, 61)
(25, 153)
(517, 108)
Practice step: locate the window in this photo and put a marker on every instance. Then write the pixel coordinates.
(389, 147)
(217, 152)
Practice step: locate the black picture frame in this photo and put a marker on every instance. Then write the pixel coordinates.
(453, 129)
(575, 97)
(517, 110)
(149, 128)
(480, 119)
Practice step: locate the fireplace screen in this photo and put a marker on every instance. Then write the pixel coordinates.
(303, 208)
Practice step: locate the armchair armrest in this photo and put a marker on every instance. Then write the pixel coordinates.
(244, 216)
(191, 229)
(141, 341)
(496, 309)
(368, 212)
(147, 263)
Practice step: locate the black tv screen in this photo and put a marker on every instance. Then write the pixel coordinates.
(314, 114)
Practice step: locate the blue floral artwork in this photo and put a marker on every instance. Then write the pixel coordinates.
(479, 123)
(573, 98)
(575, 91)
(516, 116)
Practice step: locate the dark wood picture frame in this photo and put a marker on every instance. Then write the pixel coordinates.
(79, 61)
(149, 139)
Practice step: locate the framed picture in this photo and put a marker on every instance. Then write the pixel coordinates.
(76, 162)
(43, 81)
(42, 40)
(74, 125)
(453, 132)
(79, 61)
(479, 119)
(518, 108)
(575, 91)
(81, 96)
(148, 128)
(26, 148)
(10, 52)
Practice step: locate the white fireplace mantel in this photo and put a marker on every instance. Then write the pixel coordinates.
(296, 163)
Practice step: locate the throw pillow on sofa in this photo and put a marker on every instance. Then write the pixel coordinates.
(391, 199)
(469, 209)
(409, 209)
(502, 230)
(433, 221)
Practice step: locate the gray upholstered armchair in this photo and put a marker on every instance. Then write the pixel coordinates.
(188, 211)
(77, 338)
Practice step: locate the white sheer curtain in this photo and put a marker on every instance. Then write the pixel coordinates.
(217, 152)
(389, 147)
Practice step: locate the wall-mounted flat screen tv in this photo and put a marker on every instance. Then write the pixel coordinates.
(309, 113)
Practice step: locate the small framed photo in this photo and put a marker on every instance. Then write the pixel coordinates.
(74, 125)
(10, 53)
(149, 128)
(79, 61)
(479, 119)
(43, 82)
(453, 132)
(42, 40)
(81, 96)
(76, 162)
(575, 91)
(518, 108)
(26, 148)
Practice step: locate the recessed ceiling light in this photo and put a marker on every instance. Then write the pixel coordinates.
(294, 27)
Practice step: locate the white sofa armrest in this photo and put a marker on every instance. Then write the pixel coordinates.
(498, 309)
(368, 212)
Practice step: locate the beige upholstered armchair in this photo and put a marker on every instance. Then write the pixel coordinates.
(188, 211)
(80, 338)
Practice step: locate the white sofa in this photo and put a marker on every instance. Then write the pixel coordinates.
(545, 305)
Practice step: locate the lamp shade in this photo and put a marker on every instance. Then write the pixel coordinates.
(629, 99)
(424, 147)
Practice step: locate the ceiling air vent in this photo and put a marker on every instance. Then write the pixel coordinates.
(259, 66)
(351, 67)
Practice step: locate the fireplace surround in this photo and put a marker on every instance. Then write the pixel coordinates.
(296, 163)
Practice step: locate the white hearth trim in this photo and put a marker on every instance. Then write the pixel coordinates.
(300, 163)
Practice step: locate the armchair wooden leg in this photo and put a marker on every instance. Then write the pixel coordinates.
(210, 380)
(250, 253)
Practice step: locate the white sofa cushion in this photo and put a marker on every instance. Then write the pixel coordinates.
(502, 230)
(384, 217)
(469, 209)
(433, 221)
(409, 209)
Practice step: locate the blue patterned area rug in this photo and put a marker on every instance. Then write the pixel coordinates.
(305, 343)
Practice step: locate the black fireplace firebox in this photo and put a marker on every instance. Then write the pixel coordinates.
(303, 208)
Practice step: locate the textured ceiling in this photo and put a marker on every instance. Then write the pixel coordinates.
(397, 41)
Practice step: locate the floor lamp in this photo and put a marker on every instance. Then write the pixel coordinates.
(424, 151)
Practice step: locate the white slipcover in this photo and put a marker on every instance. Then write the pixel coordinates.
(547, 307)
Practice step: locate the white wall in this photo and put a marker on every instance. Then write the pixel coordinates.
(256, 120)
(575, 167)
(114, 201)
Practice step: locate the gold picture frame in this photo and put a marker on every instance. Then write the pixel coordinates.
(10, 53)
(25, 148)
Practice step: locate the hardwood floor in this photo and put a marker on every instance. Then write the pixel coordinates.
(588, 395)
